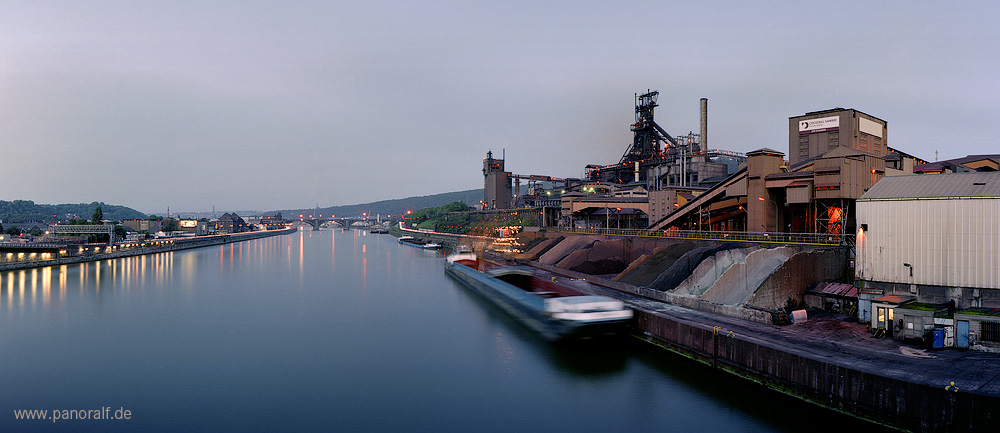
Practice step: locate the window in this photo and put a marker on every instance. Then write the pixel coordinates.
(989, 331)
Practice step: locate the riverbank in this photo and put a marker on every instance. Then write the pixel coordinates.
(165, 245)
(826, 361)
(829, 362)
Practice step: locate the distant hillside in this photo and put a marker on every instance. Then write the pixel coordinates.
(20, 211)
(393, 207)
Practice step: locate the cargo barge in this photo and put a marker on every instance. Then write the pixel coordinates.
(555, 311)
(413, 242)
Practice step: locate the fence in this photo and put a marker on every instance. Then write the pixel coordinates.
(755, 237)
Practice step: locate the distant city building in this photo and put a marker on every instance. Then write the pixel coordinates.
(230, 223)
(272, 222)
(195, 227)
(146, 225)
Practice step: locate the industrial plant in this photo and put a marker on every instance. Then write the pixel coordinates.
(920, 250)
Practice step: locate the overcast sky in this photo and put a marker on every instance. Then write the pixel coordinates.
(276, 105)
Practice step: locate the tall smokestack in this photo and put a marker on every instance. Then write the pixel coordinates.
(704, 124)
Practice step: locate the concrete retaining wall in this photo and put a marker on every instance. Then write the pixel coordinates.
(792, 278)
(741, 279)
(806, 375)
(710, 270)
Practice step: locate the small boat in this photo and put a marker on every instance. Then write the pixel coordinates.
(556, 311)
(431, 246)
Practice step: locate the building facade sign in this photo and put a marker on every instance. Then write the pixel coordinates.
(870, 127)
(822, 124)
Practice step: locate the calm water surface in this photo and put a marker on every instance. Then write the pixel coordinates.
(334, 331)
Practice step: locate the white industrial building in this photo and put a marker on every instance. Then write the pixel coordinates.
(931, 242)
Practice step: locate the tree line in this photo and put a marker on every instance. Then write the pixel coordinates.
(24, 211)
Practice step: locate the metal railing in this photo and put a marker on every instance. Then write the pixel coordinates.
(754, 237)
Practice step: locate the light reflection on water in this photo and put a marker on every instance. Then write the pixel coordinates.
(35, 288)
(274, 335)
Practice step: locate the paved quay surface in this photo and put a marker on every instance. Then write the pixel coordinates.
(830, 339)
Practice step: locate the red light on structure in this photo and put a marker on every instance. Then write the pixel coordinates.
(760, 198)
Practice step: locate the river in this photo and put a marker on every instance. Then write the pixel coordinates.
(333, 331)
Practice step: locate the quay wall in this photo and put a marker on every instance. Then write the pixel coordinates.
(813, 377)
(879, 395)
(184, 244)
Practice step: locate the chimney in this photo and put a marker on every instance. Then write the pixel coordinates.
(704, 124)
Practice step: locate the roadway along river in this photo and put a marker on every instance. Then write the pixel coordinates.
(333, 331)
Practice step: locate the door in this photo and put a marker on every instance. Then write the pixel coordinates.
(963, 334)
(865, 310)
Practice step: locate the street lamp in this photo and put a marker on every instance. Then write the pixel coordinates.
(776, 228)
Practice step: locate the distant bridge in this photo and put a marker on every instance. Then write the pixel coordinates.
(317, 222)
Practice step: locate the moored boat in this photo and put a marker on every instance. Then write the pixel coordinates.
(414, 242)
(555, 311)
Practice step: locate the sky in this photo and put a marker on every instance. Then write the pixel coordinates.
(234, 105)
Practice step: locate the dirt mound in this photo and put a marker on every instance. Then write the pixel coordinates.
(540, 247)
(559, 251)
(645, 273)
(602, 257)
(634, 265)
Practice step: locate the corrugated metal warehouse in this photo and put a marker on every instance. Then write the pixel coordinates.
(937, 230)
(932, 243)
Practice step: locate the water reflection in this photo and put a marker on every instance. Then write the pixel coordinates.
(47, 286)
(27, 289)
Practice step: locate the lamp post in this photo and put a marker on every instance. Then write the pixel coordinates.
(776, 228)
